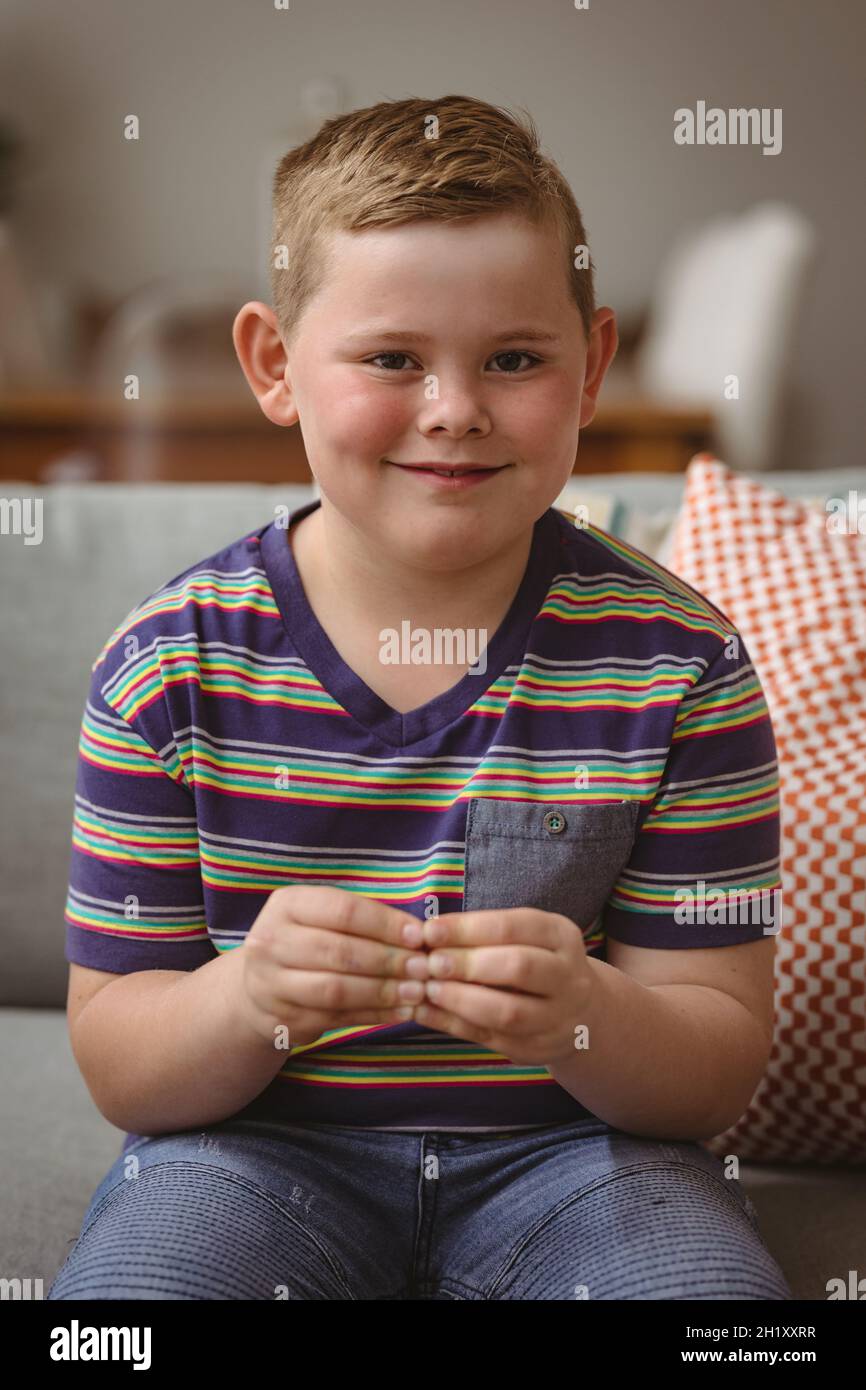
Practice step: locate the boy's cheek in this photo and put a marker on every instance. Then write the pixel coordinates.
(364, 418)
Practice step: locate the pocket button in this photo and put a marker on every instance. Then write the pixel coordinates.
(554, 822)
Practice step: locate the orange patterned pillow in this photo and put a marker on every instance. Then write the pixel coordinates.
(792, 579)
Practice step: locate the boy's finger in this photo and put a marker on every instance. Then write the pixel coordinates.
(336, 994)
(495, 965)
(493, 927)
(488, 1009)
(319, 905)
(316, 948)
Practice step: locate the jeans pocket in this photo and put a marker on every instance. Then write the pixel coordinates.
(553, 856)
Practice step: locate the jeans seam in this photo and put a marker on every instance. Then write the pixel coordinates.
(448, 1282)
(100, 1207)
(424, 1224)
(575, 1197)
(324, 1249)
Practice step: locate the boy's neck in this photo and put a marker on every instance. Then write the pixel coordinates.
(338, 577)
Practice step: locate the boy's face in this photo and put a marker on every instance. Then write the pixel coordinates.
(412, 352)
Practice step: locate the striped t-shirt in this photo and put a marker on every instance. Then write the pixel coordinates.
(615, 754)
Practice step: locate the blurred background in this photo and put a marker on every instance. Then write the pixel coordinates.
(122, 256)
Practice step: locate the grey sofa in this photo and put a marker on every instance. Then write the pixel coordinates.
(104, 549)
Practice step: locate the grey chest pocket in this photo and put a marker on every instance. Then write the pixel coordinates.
(553, 856)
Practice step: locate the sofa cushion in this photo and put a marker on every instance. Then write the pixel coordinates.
(795, 587)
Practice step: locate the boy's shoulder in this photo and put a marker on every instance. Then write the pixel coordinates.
(209, 597)
(592, 555)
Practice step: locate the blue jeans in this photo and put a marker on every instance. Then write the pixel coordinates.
(243, 1210)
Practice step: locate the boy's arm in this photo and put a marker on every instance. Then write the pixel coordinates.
(682, 1009)
(160, 1044)
(162, 1050)
(674, 1059)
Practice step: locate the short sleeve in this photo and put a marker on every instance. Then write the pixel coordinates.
(704, 868)
(135, 899)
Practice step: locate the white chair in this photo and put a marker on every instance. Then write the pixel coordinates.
(175, 335)
(726, 304)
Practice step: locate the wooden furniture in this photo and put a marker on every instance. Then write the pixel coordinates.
(50, 435)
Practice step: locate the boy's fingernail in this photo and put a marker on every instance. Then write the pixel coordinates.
(417, 967)
(440, 964)
(413, 934)
(412, 991)
(435, 932)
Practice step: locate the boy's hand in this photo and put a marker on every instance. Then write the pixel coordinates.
(519, 981)
(318, 958)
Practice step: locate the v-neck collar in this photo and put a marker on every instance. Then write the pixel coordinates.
(315, 647)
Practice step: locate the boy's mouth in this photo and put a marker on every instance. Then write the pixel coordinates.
(454, 471)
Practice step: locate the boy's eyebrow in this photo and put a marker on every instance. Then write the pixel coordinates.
(393, 335)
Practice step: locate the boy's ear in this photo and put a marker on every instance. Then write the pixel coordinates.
(262, 356)
(603, 343)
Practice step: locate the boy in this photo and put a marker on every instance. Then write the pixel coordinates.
(479, 862)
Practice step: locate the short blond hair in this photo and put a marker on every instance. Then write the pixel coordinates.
(377, 167)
